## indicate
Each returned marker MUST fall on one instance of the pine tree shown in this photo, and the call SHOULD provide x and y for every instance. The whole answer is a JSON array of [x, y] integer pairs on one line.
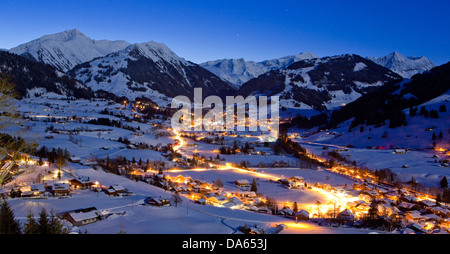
[[8, 224], [253, 186], [55, 225], [31, 227], [444, 182], [43, 223], [40, 162], [295, 208]]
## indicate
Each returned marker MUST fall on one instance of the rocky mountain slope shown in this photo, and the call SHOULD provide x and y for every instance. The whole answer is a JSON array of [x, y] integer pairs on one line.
[[148, 69], [325, 83]]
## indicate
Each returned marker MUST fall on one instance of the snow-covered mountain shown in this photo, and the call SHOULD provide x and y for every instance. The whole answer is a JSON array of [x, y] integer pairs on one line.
[[66, 49], [33, 79], [321, 83], [239, 71], [404, 66], [148, 69]]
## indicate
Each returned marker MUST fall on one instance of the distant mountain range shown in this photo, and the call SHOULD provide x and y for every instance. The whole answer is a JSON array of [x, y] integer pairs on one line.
[[118, 68], [321, 83], [239, 71]]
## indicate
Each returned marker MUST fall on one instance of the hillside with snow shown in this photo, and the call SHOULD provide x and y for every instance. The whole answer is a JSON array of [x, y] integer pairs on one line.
[[321, 83], [148, 69]]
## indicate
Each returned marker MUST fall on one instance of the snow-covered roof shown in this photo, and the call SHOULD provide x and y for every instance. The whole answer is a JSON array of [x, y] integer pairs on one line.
[[236, 201], [242, 181], [77, 216], [302, 212], [117, 187], [60, 186]]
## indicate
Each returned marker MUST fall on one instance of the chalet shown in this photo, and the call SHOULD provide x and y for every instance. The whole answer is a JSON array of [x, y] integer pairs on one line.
[[287, 212], [302, 215], [242, 183], [60, 189], [75, 159], [345, 216], [200, 201], [115, 190], [157, 201], [82, 217], [246, 194], [211, 198], [399, 151], [441, 211], [35, 190], [426, 203], [234, 203], [295, 185], [263, 210], [413, 216], [91, 163], [405, 206], [81, 182], [416, 227]]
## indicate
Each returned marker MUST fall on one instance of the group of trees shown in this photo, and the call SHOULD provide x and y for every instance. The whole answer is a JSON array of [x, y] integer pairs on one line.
[[286, 145], [11, 148], [44, 224], [112, 123]]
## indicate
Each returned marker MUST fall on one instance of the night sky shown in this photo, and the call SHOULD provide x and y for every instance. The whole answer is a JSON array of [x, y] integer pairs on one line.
[[254, 30]]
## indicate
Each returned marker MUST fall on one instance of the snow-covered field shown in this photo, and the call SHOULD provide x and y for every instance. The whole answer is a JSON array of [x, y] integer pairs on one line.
[[131, 217], [420, 162]]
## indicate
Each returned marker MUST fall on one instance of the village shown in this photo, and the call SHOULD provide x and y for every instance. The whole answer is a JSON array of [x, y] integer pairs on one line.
[[242, 172]]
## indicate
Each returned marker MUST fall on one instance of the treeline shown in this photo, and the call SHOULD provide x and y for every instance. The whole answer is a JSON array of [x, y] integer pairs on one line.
[[388, 102], [112, 123], [28, 74], [16, 144], [57, 156], [286, 145], [44, 224]]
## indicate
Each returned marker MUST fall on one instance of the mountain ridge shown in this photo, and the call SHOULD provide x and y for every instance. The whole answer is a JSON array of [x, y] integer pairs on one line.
[[66, 49]]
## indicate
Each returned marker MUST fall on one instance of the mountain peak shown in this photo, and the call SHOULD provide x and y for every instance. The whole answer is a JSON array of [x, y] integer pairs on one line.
[[66, 49], [402, 65], [155, 51]]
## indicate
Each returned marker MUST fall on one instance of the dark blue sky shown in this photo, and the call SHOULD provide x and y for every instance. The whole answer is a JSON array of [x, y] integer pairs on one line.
[[254, 30]]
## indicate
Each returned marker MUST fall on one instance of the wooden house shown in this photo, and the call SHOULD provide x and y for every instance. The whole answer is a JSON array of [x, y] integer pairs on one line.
[[60, 189], [115, 190], [81, 182], [242, 183], [82, 217], [157, 201], [301, 215], [34, 190]]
